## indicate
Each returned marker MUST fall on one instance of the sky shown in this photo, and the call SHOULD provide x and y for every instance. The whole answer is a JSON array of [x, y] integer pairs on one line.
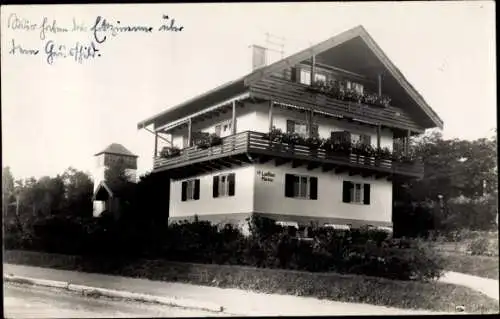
[[59, 115]]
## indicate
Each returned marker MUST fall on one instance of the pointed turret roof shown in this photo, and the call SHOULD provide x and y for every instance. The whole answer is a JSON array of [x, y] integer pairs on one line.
[[116, 149]]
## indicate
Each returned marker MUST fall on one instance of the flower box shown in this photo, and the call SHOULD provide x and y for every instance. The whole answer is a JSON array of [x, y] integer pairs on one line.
[[170, 151], [338, 90]]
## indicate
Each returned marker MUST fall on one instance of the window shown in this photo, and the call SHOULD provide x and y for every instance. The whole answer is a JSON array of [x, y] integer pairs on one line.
[[355, 86], [224, 185], [319, 77], [357, 193], [300, 128], [223, 129], [190, 190], [303, 187], [305, 77], [358, 88]]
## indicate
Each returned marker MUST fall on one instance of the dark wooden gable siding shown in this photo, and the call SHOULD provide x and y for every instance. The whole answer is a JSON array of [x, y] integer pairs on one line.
[[285, 91]]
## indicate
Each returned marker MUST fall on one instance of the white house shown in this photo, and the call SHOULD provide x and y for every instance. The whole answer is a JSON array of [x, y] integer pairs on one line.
[[343, 90]]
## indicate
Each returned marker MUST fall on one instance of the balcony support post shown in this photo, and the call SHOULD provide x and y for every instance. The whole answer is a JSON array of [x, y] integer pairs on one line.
[[313, 68], [309, 122], [379, 84], [271, 106], [379, 129], [233, 119], [407, 142], [190, 131], [156, 145]]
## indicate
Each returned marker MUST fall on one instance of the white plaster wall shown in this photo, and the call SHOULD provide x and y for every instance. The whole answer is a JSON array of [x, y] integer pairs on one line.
[[241, 202], [245, 121], [255, 117], [270, 196]]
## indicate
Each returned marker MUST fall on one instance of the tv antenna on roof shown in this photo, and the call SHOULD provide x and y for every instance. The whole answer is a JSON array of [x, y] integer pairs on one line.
[[276, 41]]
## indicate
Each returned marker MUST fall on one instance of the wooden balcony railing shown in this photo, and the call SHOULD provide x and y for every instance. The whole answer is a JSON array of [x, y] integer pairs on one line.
[[284, 91], [232, 144], [257, 143]]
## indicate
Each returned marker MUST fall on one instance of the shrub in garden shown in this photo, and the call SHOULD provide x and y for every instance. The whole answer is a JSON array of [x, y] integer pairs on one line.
[[478, 246]]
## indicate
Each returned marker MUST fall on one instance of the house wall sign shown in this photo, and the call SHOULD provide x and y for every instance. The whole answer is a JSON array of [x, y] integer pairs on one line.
[[266, 176]]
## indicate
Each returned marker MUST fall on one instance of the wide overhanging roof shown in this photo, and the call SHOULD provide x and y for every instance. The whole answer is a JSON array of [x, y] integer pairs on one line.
[[354, 50], [197, 103]]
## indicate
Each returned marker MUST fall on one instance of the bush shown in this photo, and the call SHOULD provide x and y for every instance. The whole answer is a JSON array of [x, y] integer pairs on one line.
[[359, 251], [478, 246]]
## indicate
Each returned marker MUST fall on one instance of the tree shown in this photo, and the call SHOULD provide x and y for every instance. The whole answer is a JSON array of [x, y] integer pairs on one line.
[[7, 189], [79, 191], [453, 168], [116, 173]]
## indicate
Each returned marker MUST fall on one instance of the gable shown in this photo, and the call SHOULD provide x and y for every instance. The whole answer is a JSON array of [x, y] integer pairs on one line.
[[355, 51]]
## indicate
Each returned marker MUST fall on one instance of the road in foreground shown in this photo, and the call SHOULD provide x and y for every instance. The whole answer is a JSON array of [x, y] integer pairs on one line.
[[23, 301]]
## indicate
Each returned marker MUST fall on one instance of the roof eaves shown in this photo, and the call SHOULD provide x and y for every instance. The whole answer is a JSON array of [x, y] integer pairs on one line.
[[151, 119]]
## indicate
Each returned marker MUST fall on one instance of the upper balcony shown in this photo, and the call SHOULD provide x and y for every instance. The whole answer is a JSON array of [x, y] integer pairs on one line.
[[255, 147]]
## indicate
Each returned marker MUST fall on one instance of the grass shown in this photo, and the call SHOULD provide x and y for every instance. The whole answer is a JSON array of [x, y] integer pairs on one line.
[[482, 266], [348, 288]]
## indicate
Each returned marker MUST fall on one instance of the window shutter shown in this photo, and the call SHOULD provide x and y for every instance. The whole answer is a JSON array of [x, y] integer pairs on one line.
[[290, 126], [346, 191], [231, 180], [196, 189], [184, 191], [346, 137], [366, 197], [294, 74], [313, 191], [216, 186], [314, 130], [288, 185], [337, 136]]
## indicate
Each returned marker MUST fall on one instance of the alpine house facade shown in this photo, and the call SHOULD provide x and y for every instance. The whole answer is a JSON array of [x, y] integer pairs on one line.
[[316, 137]]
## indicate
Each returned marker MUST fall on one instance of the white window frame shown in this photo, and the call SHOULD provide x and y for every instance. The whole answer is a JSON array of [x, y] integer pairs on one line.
[[300, 124], [320, 77], [190, 185], [357, 195], [358, 87], [297, 189], [223, 185], [305, 76], [225, 128]]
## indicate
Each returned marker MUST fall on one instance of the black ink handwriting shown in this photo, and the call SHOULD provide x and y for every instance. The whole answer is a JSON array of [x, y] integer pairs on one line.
[[171, 27], [79, 52], [16, 48]]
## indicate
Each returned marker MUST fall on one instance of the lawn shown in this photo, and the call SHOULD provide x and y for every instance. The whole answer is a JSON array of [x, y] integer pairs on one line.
[[332, 286], [483, 266]]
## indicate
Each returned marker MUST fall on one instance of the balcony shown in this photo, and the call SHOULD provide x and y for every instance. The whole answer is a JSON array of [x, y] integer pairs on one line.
[[250, 147]]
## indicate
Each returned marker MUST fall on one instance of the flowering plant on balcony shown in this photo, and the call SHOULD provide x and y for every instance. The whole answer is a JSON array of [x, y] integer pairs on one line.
[[402, 157], [383, 100], [314, 142], [276, 135], [337, 148], [170, 151], [363, 149], [293, 139], [339, 90], [370, 98], [205, 140], [383, 153]]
